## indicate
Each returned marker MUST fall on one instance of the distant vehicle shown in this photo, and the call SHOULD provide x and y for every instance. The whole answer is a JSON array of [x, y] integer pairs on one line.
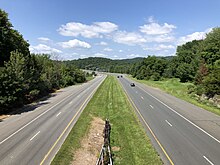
[[132, 85], [121, 76], [118, 76]]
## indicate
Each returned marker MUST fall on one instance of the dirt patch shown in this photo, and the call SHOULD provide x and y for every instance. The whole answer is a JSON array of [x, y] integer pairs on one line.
[[115, 148], [3, 117], [91, 144]]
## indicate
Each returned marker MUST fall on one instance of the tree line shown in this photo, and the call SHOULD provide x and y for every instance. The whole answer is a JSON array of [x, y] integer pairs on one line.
[[197, 61], [24, 77], [105, 64]]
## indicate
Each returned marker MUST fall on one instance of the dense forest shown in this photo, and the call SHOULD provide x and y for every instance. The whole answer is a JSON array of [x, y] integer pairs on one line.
[[24, 77], [105, 64], [195, 61]]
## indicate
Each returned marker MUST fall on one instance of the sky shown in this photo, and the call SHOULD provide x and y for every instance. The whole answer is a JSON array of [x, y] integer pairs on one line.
[[116, 29]]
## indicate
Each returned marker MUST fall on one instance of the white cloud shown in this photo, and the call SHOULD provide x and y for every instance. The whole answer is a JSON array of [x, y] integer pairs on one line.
[[43, 49], [133, 55], [120, 51], [160, 38], [96, 30], [153, 28], [100, 55], [193, 36], [102, 43], [74, 43], [128, 38], [108, 49], [160, 47], [43, 39]]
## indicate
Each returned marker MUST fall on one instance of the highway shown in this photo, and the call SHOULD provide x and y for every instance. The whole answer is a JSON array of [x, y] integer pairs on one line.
[[35, 136], [182, 133]]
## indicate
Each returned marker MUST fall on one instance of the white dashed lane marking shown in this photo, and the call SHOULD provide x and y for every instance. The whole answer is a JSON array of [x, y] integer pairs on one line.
[[151, 106], [58, 114], [208, 160], [168, 123], [34, 136]]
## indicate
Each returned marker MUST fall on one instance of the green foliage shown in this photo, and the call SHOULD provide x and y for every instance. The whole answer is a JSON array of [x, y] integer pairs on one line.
[[104, 64], [150, 68], [10, 40], [195, 61], [23, 80], [187, 61], [12, 80]]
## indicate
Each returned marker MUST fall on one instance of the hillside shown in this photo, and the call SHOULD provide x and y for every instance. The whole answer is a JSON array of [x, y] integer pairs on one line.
[[105, 64]]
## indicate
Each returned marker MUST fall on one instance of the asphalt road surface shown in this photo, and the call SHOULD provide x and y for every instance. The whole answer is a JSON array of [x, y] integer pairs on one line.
[[182, 133], [35, 136]]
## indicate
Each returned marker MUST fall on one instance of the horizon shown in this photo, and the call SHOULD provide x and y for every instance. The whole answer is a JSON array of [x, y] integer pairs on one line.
[[116, 30]]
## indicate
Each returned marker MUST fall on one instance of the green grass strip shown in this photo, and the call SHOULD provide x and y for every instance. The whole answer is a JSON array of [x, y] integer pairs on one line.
[[180, 90], [127, 133]]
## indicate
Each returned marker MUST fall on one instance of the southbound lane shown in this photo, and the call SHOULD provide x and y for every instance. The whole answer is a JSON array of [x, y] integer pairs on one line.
[[35, 137], [177, 139]]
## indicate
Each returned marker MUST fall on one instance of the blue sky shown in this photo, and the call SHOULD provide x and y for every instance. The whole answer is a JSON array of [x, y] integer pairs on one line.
[[116, 29]]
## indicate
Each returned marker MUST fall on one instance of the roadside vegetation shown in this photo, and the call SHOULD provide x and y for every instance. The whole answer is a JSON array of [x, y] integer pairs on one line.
[[127, 134], [195, 71], [25, 77], [181, 90]]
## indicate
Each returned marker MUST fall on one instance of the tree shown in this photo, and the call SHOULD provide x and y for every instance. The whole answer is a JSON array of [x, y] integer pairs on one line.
[[12, 81], [187, 60], [10, 40]]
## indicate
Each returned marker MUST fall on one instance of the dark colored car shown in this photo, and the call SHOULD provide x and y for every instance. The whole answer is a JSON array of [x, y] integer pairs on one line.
[[132, 85], [121, 76], [118, 76]]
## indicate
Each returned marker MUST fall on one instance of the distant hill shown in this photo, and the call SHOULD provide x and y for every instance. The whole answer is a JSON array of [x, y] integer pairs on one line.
[[105, 64]]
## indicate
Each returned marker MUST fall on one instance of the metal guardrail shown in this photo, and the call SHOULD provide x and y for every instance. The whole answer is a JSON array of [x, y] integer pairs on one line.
[[105, 157]]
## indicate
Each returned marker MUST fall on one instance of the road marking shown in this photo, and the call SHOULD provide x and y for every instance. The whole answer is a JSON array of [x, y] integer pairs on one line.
[[136, 91], [71, 102], [183, 117], [35, 119], [80, 109], [208, 160], [58, 114], [142, 98], [151, 106], [168, 123], [34, 136], [152, 133]]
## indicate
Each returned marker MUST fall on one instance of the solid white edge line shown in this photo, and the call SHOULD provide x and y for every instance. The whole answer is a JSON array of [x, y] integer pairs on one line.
[[183, 117], [142, 98], [34, 136], [58, 114], [70, 102], [208, 160], [34, 119], [168, 123]]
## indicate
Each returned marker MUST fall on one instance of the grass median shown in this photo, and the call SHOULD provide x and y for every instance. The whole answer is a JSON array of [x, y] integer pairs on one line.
[[127, 134]]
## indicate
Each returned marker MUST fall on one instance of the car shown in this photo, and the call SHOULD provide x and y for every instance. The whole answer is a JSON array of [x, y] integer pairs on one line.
[[118, 76], [132, 85], [121, 76]]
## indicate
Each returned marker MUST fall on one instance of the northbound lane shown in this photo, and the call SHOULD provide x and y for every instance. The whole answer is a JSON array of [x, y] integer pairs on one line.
[[177, 139]]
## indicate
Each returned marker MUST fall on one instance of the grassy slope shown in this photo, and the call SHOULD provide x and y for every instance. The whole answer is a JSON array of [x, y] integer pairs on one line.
[[175, 88], [127, 133]]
